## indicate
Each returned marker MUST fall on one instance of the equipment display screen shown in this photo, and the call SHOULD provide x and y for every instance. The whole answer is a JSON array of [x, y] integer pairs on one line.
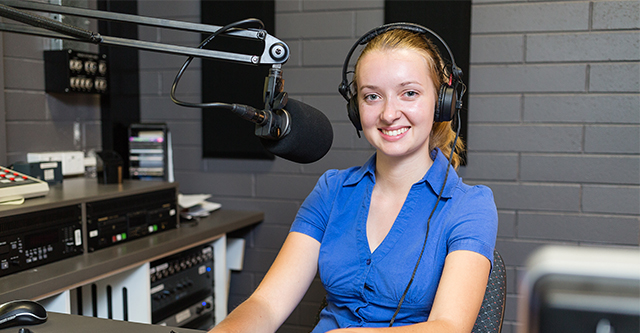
[[40, 239]]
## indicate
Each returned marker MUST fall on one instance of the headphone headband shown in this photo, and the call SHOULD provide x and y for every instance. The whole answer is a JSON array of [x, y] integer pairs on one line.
[[448, 99], [366, 38]]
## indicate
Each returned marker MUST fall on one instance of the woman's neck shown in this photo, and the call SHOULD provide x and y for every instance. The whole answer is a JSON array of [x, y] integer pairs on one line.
[[401, 173]]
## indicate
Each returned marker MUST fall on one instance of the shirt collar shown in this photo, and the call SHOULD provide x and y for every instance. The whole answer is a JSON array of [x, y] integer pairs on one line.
[[434, 177]]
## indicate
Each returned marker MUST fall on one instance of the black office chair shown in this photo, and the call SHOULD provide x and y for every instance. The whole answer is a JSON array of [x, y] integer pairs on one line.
[[491, 313]]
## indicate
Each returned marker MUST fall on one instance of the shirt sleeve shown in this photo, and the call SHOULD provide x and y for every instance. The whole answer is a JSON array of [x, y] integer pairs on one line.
[[313, 215], [476, 224]]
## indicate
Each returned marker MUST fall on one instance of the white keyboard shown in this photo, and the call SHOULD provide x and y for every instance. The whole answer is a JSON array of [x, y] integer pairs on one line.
[[15, 186]]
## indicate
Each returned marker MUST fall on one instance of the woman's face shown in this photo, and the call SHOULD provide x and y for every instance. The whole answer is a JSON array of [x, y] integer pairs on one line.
[[396, 100]]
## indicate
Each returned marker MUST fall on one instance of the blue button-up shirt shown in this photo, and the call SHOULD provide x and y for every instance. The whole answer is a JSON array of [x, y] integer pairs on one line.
[[364, 288]]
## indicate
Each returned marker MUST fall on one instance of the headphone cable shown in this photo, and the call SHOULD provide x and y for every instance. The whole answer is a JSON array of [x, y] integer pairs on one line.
[[426, 236]]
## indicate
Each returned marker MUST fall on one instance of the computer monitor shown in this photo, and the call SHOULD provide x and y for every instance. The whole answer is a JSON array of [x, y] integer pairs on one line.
[[581, 289]]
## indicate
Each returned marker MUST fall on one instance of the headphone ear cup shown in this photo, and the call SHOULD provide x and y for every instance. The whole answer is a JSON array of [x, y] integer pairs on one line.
[[446, 107], [354, 113]]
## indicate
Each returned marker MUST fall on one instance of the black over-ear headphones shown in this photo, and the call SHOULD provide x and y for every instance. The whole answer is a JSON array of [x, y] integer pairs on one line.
[[449, 99]]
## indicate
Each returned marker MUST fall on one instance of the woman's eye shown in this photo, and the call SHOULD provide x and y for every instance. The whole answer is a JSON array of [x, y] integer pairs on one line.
[[411, 93], [371, 97]]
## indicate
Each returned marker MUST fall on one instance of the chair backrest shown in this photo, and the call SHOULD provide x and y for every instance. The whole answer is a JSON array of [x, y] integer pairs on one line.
[[492, 311]]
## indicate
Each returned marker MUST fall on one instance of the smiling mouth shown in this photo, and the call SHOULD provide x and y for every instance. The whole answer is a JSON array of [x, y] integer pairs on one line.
[[394, 132]]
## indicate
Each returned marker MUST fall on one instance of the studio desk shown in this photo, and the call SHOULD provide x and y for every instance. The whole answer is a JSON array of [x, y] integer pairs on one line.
[[123, 264]]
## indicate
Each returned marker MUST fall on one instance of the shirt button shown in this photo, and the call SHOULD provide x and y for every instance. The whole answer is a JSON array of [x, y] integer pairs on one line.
[[368, 261]]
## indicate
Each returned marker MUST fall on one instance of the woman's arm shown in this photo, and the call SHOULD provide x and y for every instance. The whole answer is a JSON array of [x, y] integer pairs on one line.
[[280, 291], [458, 298]]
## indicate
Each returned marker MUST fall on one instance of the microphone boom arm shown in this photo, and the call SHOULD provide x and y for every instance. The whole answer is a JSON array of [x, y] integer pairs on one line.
[[275, 51], [273, 123]]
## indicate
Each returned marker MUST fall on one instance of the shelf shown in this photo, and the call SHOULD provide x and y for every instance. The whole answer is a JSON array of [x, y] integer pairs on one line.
[[53, 278], [80, 190]]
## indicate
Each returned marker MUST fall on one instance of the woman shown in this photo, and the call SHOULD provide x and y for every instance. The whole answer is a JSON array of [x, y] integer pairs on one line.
[[365, 227]]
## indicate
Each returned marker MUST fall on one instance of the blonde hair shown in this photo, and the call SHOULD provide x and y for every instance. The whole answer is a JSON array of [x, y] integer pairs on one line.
[[442, 135]]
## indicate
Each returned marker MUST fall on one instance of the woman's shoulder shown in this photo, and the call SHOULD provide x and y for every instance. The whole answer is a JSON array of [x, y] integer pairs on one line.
[[477, 193], [475, 196], [343, 176], [474, 189], [335, 177]]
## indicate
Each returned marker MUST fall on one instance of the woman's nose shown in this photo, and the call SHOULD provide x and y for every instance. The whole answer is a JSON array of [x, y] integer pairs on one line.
[[391, 112]]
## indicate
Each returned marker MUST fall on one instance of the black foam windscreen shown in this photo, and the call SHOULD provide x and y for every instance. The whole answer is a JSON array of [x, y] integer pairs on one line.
[[309, 138]]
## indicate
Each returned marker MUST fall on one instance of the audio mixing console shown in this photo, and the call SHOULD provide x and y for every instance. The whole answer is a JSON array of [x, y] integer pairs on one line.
[[15, 186]]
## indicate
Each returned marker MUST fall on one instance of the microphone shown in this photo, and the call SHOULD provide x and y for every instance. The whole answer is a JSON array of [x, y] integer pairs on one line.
[[310, 136], [298, 132]]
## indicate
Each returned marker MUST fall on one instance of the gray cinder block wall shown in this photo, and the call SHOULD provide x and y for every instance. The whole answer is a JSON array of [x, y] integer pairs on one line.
[[554, 127], [32, 120], [554, 124], [554, 105]]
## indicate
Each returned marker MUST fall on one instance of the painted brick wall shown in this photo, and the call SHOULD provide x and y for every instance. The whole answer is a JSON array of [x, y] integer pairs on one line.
[[554, 126], [33, 120], [554, 101]]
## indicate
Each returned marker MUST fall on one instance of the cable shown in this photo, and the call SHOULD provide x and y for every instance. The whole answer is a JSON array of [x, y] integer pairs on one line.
[[188, 62], [426, 236]]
